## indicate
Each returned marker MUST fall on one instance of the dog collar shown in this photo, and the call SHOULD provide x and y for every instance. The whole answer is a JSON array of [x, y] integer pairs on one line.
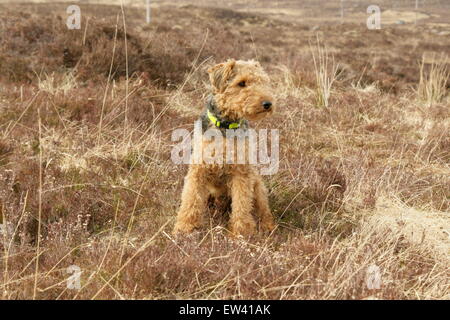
[[223, 124]]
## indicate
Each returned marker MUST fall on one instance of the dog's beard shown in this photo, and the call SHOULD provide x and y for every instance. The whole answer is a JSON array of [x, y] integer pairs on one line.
[[259, 115]]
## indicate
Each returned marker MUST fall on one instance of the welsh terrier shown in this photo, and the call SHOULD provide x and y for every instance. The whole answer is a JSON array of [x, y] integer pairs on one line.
[[241, 92]]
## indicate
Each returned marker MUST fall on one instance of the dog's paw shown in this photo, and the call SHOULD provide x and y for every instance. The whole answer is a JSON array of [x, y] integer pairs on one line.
[[267, 226], [183, 228], [243, 229]]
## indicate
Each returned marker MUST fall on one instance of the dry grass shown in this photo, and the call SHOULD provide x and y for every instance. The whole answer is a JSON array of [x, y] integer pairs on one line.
[[86, 177], [326, 73], [433, 83]]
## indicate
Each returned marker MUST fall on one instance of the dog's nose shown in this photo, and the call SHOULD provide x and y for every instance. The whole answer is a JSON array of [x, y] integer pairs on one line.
[[267, 104]]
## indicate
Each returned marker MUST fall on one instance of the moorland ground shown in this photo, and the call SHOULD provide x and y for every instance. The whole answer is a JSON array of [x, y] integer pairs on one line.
[[86, 178]]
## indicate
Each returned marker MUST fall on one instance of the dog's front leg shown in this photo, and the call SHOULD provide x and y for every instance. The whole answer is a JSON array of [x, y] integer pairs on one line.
[[193, 201], [262, 206], [241, 220]]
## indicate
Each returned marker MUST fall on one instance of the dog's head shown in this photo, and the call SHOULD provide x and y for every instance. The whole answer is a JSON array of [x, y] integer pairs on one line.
[[242, 89]]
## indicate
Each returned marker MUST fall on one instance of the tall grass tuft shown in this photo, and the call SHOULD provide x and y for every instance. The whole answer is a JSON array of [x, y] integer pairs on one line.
[[433, 79], [326, 72]]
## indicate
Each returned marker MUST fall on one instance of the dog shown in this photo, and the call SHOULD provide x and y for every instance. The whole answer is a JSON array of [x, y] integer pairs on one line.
[[241, 91]]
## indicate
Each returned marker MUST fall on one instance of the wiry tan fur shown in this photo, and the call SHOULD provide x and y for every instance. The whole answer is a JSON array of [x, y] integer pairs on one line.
[[241, 182]]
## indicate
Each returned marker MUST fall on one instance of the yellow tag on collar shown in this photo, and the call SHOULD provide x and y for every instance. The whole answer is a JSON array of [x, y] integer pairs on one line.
[[217, 123]]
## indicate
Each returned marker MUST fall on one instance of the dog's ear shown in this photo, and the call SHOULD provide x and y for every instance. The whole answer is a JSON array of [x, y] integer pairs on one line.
[[220, 74]]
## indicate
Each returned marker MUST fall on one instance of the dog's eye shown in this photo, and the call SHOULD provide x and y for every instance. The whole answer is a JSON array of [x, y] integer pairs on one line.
[[241, 84]]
